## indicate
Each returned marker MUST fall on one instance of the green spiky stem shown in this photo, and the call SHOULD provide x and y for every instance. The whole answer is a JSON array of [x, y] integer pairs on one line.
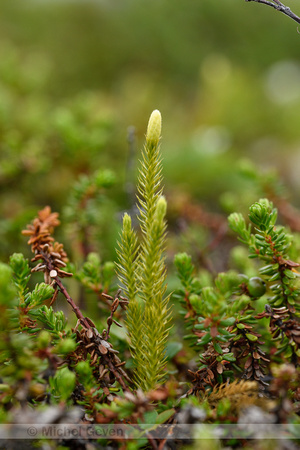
[[141, 269]]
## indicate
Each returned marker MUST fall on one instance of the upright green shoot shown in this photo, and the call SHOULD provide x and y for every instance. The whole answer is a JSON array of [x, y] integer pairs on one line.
[[141, 267]]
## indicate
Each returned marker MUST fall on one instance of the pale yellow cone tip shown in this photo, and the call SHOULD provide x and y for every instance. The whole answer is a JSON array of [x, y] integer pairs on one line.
[[154, 128]]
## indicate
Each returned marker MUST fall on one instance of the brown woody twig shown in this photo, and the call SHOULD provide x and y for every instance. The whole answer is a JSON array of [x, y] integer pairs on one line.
[[276, 4], [90, 341]]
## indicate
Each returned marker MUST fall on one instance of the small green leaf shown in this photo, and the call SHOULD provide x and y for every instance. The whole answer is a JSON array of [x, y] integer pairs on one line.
[[229, 357], [275, 277], [199, 326], [150, 417], [227, 322], [218, 348], [164, 416], [251, 337], [205, 339], [289, 274]]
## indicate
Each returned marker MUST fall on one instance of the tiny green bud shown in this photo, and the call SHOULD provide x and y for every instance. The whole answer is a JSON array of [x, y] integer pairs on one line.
[[84, 370], [94, 258], [209, 295], [154, 128], [182, 259], [258, 210], [236, 222], [66, 346], [44, 339], [266, 204], [17, 260], [261, 214], [256, 287], [108, 270], [104, 178], [195, 301], [65, 382]]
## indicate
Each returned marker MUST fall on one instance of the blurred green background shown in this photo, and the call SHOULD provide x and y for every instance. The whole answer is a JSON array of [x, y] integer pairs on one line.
[[76, 75]]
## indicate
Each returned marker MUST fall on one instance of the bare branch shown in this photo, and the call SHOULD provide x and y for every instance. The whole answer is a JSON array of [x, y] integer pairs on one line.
[[276, 4]]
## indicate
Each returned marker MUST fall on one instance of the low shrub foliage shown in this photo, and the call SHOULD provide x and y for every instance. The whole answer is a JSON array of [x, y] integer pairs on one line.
[[217, 346]]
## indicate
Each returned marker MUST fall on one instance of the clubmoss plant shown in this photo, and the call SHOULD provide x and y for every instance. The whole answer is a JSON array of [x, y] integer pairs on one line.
[[141, 267], [71, 365]]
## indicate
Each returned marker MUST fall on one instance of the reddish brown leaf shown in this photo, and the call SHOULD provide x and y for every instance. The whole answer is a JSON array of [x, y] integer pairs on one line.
[[214, 331], [259, 373], [210, 373], [248, 362], [255, 355], [220, 368], [103, 350]]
